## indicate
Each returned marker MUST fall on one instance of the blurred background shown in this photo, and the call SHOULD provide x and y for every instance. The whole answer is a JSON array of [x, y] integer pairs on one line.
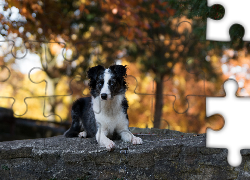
[[47, 46]]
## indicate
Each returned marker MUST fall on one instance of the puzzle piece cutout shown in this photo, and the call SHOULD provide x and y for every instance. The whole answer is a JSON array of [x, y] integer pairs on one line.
[[13, 85], [235, 111], [235, 11]]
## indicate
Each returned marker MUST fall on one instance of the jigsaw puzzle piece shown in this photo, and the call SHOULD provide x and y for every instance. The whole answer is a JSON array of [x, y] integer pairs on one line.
[[52, 69], [139, 83], [184, 81], [55, 73], [15, 80], [234, 13], [235, 111], [57, 107], [192, 120]]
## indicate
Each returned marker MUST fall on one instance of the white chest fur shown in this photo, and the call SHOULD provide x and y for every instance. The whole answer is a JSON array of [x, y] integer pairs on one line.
[[109, 114]]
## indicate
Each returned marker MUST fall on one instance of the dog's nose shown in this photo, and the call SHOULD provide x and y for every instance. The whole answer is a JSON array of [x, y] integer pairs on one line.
[[104, 96]]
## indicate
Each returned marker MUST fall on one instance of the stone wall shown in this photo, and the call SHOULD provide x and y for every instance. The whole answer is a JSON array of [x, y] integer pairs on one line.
[[164, 154]]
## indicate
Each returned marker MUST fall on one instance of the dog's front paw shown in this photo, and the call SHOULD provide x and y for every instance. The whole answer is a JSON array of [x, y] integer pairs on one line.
[[136, 140], [82, 134], [110, 145]]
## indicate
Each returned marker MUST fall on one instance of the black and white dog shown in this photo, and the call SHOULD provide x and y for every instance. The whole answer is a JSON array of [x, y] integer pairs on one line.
[[104, 114]]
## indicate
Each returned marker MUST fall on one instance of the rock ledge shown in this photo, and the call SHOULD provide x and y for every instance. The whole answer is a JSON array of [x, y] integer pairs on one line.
[[164, 154]]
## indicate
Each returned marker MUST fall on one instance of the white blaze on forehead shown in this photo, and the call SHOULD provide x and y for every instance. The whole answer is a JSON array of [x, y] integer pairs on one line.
[[107, 76]]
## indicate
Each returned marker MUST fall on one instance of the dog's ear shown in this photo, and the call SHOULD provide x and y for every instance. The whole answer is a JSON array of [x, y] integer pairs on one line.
[[93, 72], [119, 70]]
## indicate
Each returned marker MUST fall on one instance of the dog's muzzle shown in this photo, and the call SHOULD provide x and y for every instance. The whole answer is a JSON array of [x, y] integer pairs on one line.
[[104, 96]]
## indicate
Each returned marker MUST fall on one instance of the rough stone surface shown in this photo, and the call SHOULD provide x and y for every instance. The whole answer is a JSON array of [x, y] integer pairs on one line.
[[164, 154]]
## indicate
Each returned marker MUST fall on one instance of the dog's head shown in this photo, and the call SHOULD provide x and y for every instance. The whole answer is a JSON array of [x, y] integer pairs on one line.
[[107, 83]]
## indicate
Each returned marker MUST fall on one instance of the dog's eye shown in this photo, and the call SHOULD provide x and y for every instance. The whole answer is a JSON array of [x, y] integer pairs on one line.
[[100, 84], [112, 83]]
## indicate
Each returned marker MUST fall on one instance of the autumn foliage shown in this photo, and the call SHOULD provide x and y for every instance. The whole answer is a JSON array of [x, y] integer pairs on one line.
[[163, 54]]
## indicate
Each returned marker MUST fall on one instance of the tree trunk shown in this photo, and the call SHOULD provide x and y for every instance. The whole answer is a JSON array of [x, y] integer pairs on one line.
[[158, 102], [51, 101]]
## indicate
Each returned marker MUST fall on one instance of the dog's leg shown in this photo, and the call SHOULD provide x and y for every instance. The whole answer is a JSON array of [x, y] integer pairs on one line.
[[101, 137], [127, 136], [74, 130], [136, 140]]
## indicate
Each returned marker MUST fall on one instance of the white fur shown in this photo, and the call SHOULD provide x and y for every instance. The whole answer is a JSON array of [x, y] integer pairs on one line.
[[82, 134], [105, 88]]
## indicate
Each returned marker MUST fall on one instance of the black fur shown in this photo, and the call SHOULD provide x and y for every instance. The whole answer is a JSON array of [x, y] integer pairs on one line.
[[125, 107], [117, 82], [82, 116], [95, 75]]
